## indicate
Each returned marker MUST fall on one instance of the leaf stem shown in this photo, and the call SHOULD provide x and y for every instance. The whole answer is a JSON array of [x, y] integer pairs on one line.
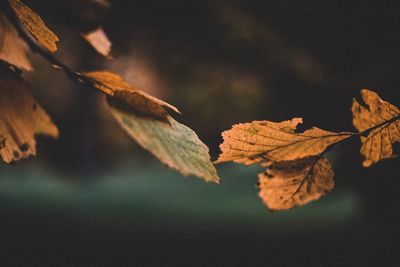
[[363, 133], [367, 131]]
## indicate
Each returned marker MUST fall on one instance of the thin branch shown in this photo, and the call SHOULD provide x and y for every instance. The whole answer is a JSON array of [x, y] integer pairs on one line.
[[12, 17]]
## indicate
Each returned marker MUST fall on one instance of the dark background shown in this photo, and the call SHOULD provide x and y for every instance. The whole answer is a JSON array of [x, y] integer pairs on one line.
[[94, 198]]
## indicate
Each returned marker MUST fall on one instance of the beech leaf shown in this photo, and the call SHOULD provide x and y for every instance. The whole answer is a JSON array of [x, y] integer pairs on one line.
[[21, 118], [285, 185], [34, 24], [99, 40], [114, 85], [382, 116], [265, 141], [174, 144], [13, 49]]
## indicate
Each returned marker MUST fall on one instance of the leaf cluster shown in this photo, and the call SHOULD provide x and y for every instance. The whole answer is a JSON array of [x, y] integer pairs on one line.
[[295, 168], [145, 118]]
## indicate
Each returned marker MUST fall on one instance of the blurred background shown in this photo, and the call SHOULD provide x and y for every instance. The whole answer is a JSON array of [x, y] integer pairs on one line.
[[94, 198]]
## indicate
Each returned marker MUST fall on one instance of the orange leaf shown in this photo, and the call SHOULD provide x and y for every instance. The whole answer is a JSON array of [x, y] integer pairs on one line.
[[21, 118], [114, 85], [267, 141], [285, 185], [377, 145], [34, 24]]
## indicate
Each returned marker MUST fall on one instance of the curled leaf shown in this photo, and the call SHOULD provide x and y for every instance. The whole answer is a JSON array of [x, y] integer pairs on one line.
[[174, 144], [34, 24], [285, 185], [384, 120], [99, 40], [146, 120], [114, 85], [13, 49], [267, 141], [21, 118]]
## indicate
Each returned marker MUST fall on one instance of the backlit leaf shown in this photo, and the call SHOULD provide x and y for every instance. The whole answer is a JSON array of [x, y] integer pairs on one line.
[[13, 49], [21, 118], [114, 85], [99, 40], [33, 23], [172, 143], [267, 141], [377, 145], [285, 185]]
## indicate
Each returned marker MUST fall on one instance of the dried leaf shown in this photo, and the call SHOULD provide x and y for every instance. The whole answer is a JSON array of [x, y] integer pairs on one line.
[[113, 85], [99, 40], [267, 141], [21, 117], [13, 49], [33, 23], [172, 143], [285, 185], [378, 144]]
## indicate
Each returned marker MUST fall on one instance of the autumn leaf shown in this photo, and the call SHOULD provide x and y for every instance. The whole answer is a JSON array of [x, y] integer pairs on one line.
[[296, 171], [33, 23], [265, 141], [285, 185], [381, 121], [172, 143], [146, 119], [13, 49], [114, 85], [21, 118], [99, 40]]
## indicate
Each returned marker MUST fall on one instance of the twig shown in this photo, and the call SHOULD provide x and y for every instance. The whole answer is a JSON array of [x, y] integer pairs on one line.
[[12, 17]]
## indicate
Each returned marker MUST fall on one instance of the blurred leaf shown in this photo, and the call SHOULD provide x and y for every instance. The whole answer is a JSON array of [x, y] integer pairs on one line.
[[13, 49], [285, 185], [258, 141], [113, 85], [33, 23], [21, 117], [172, 143], [99, 40], [378, 144]]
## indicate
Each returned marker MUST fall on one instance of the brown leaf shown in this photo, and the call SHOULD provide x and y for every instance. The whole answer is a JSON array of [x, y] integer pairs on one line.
[[113, 85], [13, 49], [265, 141], [99, 40], [285, 185], [33, 23], [378, 144], [21, 117], [174, 144]]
